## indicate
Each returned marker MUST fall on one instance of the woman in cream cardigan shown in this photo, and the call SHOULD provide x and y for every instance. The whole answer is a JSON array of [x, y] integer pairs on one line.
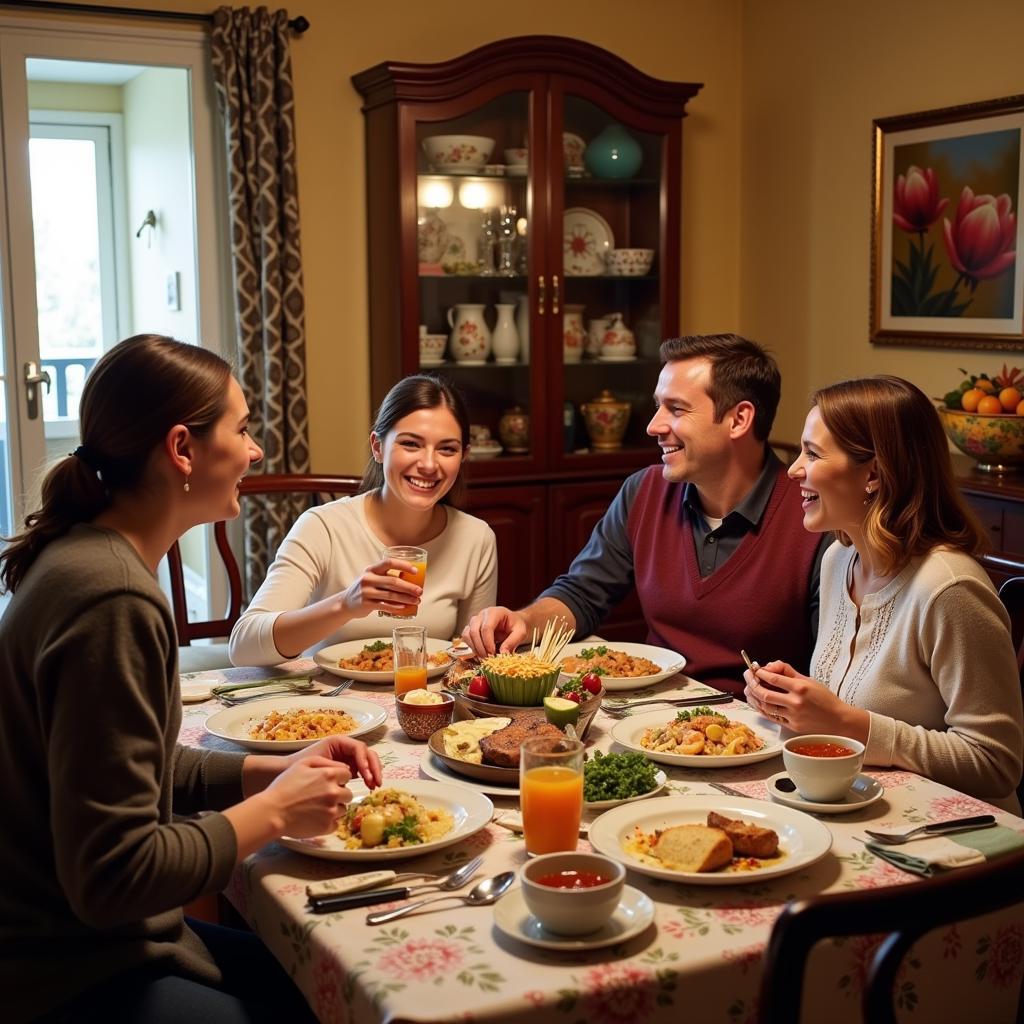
[[913, 655]]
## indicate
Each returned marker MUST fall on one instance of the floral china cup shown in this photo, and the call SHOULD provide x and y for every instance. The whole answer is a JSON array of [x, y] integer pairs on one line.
[[432, 347], [595, 334]]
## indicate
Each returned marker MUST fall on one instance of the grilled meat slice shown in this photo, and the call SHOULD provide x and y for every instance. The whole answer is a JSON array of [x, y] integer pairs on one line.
[[747, 840], [501, 748]]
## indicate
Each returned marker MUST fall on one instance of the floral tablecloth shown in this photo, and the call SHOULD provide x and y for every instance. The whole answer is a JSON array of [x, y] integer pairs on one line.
[[700, 961]]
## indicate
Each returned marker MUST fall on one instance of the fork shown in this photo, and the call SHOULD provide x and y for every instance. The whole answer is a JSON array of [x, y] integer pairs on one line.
[[340, 688], [938, 828], [622, 710]]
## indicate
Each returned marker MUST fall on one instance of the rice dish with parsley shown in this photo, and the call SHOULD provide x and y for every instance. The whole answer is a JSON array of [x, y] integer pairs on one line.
[[388, 819]]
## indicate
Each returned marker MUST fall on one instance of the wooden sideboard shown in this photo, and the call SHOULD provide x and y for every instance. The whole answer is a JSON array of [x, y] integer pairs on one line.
[[998, 501]]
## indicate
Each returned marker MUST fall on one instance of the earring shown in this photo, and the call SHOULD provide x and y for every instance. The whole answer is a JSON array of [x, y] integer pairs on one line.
[[869, 495], [187, 488]]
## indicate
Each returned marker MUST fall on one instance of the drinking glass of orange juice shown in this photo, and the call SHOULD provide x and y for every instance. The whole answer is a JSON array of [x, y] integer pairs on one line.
[[410, 647], [417, 557], [551, 794]]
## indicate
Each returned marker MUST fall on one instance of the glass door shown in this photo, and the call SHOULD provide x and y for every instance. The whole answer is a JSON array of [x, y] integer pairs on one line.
[[620, 274], [475, 251]]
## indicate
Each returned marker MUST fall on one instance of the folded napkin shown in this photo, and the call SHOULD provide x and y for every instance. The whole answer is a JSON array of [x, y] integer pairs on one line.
[[929, 856]]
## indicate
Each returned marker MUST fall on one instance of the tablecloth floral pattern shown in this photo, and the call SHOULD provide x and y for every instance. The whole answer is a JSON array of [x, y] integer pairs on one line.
[[700, 960]]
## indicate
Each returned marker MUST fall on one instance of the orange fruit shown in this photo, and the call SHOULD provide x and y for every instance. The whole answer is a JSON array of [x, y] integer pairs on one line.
[[1020, 408], [1011, 398], [984, 384], [970, 399], [990, 405]]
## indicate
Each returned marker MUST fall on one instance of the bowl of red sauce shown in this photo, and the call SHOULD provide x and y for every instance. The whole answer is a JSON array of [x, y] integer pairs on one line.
[[572, 893], [823, 768]]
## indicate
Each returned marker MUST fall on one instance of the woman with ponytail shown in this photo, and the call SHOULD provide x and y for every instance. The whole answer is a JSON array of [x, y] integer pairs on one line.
[[913, 656], [104, 841]]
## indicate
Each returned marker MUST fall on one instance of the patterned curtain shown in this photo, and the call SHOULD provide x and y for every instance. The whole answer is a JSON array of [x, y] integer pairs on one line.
[[253, 75]]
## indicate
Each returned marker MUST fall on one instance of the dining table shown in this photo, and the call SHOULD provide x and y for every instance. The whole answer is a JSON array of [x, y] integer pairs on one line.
[[700, 959]]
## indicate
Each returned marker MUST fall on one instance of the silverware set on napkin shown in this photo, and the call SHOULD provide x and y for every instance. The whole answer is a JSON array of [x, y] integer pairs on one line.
[[626, 707], [275, 687]]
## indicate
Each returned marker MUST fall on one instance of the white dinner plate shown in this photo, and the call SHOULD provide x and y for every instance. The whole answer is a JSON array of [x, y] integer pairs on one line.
[[234, 723], [471, 812], [586, 240], [669, 662], [328, 657], [627, 734], [660, 779], [432, 766], [633, 914], [802, 839], [864, 792]]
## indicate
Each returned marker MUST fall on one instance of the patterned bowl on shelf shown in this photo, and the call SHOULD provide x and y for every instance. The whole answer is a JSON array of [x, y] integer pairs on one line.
[[458, 154], [995, 441], [630, 262]]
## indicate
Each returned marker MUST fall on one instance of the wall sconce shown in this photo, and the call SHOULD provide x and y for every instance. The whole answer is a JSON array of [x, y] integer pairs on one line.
[[149, 221]]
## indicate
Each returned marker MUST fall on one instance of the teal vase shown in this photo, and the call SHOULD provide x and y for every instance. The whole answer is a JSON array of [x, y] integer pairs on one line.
[[613, 154]]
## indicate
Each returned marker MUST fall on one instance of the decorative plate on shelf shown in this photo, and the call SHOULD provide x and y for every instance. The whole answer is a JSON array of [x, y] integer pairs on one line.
[[586, 238]]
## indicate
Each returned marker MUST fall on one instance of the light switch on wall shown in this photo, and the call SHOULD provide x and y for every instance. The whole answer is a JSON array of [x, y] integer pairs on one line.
[[174, 290]]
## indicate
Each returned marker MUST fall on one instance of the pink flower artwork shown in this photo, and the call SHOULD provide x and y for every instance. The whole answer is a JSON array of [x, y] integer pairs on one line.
[[618, 994], [916, 203], [421, 960], [980, 240]]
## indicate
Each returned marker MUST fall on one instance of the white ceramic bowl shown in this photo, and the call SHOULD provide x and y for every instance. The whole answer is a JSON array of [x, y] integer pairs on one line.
[[460, 154], [518, 156], [572, 911], [820, 778], [622, 350], [630, 262]]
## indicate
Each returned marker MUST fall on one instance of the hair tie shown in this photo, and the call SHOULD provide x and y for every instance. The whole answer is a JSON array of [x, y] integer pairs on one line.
[[87, 456]]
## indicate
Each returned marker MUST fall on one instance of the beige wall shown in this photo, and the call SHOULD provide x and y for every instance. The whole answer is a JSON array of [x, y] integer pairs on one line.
[[815, 76], [101, 99]]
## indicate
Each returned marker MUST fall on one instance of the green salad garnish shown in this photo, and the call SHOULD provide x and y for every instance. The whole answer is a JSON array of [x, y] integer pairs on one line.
[[377, 645], [617, 776], [689, 715], [593, 652], [404, 830]]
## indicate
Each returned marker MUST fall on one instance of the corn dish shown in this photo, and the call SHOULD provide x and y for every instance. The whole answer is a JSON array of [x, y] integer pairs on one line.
[[389, 818]]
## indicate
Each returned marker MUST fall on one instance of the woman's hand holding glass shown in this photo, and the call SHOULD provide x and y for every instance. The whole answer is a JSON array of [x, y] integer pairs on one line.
[[802, 704], [379, 588]]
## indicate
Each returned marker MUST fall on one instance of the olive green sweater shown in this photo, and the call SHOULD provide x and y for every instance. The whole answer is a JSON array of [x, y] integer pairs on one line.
[[93, 871]]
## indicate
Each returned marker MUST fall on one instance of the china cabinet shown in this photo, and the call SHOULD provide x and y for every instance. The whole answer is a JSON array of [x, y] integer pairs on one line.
[[524, 200]]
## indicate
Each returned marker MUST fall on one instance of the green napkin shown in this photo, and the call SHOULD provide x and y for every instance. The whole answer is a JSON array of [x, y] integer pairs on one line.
[[930, 856]]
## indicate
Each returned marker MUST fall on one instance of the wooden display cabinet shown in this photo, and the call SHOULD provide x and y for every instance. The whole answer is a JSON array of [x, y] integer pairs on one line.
[[585, 157]]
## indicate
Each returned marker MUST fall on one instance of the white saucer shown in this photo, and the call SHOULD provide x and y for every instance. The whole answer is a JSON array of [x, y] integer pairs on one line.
[[864, 791], [431, 362], [194, 691], [633, 914], [616, 359]]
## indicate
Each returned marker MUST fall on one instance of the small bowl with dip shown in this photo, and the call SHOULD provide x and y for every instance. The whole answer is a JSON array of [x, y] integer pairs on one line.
[[422, 712], [823, 767], [572, 893]]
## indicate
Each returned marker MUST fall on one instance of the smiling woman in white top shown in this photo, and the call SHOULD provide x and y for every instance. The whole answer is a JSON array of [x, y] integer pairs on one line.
[[913, 656], [329, 579]]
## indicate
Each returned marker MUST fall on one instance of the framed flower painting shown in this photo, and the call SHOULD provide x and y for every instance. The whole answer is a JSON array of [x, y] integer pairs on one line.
[[946, 235]]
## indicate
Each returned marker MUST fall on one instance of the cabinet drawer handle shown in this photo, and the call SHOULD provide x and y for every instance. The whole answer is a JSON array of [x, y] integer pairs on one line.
[[541, 293], [554, 294]]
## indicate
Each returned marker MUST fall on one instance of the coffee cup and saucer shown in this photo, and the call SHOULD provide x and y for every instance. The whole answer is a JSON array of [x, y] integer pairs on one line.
[[823, 776]]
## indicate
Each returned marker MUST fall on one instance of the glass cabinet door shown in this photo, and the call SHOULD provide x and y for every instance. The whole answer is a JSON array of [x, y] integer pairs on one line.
[[474, 260], [618, 295]]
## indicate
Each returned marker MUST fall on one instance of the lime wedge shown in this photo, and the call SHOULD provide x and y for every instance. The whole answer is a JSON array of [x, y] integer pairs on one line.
[[561, 712]]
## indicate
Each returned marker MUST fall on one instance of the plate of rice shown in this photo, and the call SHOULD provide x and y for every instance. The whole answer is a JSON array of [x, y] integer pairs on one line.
[[279, 725], [415, 817]]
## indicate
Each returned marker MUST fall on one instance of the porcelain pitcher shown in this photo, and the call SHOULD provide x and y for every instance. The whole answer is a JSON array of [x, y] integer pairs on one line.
[[470, 340]]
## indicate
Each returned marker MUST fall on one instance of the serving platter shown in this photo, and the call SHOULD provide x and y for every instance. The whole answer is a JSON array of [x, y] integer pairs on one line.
[[234, 723], [484, 772], [434, 768], [802, 839], [328, 657], [470, 811], [586, 239], [627, 734], [668, 661]]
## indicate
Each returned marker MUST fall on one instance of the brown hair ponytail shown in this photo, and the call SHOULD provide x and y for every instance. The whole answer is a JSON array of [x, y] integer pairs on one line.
[[135, 393]]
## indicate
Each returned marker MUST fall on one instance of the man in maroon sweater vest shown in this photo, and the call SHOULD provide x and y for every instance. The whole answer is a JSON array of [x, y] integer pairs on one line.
[[713, 539]]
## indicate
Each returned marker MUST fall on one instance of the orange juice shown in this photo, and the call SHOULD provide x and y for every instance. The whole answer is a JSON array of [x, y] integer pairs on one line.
[[407, 611], [552, 801], [410, 677]]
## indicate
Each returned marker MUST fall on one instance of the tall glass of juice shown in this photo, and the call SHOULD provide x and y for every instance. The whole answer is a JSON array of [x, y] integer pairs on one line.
[[417, 559], [551, 793], [410, 647]]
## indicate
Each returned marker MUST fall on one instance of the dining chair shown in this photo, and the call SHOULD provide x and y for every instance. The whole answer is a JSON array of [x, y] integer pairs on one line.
[[319, 488], [905, 912]]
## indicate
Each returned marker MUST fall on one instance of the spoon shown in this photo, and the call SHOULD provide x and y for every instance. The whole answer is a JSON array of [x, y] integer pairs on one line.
[[481, 895], [330, 902]]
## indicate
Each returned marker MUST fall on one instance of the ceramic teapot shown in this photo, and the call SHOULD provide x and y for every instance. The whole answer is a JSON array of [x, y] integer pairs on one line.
[[606, 420], [617, 342]]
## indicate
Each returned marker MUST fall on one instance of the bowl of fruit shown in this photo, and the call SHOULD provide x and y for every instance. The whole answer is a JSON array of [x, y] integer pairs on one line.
[[984, 418], [573, 701]]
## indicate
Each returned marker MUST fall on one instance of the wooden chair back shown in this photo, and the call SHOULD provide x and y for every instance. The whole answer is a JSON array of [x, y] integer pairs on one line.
[[319, 487], [906, 912]]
